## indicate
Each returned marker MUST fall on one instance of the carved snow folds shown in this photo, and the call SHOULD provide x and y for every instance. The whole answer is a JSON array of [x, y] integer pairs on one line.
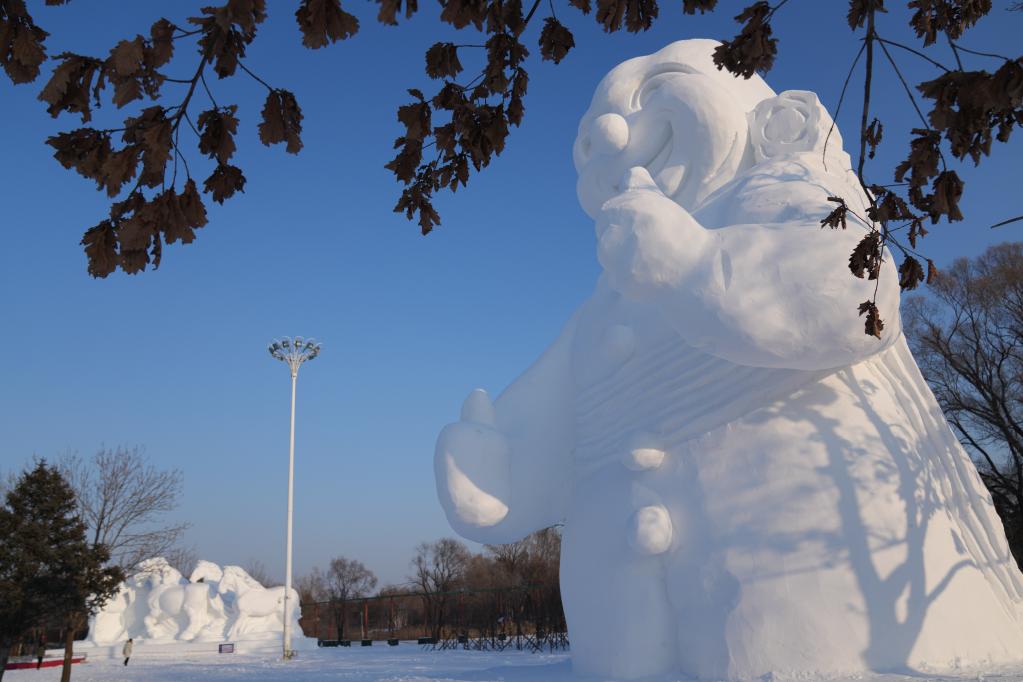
[[614, 347], [619, 345], [650, 530]]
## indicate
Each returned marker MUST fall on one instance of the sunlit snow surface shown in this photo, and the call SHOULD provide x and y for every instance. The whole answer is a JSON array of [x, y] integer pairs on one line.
[[405, 663], [748, 483]]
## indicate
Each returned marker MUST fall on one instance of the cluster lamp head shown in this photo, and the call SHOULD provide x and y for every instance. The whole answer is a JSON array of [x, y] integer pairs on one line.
[[293, 352]]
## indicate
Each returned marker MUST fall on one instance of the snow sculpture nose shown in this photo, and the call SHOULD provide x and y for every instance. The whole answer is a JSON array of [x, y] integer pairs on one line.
[[609, 134]]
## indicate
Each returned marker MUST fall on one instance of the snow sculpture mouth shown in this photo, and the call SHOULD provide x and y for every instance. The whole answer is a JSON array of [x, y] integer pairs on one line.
[[668, 178]]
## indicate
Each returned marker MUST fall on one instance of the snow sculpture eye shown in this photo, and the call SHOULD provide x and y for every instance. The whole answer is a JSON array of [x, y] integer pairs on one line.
[[609, 134]]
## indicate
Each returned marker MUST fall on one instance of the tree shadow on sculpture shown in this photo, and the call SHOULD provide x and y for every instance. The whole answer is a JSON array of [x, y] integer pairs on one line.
[[896, 601]]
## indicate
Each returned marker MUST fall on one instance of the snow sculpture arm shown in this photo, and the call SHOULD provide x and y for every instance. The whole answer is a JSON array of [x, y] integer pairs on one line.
[[504, 469], [772, 294]]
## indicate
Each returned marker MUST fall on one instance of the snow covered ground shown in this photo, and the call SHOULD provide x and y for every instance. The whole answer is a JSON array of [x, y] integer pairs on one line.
[[405, 663]]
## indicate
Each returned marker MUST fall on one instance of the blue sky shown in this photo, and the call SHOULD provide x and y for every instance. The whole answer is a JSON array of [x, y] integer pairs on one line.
[[176, 359]]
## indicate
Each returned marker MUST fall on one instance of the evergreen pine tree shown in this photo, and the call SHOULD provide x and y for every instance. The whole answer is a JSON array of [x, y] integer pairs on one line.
[[48, 569], [16, 570]]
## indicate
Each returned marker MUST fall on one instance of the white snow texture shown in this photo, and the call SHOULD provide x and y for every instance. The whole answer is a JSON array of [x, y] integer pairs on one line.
[[750, 485], [158, 605]]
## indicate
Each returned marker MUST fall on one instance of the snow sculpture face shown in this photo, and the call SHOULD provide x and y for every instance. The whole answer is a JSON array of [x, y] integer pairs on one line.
[[157, 572], [206, 572], [672, 113]]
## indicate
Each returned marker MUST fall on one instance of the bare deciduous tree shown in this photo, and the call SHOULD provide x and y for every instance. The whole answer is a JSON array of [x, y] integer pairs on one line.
[[183, 559], [533, 565], [399, 612], [348, 579], [509, 589], [437, 570], [123, 498], [533, 560], [312, 587], [967, 335]]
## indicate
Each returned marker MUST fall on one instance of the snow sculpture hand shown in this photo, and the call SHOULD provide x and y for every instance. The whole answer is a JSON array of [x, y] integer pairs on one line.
[[646, 241], [769, 294], [472, 465]]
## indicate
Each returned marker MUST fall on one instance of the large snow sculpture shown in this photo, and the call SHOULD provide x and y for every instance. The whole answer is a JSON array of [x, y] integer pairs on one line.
[[157, 604], [749, 483]]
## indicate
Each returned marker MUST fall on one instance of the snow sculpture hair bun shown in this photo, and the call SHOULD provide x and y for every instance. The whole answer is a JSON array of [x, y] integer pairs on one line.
[[791, 123]]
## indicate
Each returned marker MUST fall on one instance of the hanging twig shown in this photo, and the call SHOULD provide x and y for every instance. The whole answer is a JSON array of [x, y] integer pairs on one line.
[[918, 53], [839, 107]]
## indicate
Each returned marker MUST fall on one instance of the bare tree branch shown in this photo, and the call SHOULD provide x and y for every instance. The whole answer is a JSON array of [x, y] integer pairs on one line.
[[123, 498], [967, 335]]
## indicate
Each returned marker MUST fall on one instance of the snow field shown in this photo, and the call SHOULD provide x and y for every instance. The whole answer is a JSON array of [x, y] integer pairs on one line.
[[405, 663]]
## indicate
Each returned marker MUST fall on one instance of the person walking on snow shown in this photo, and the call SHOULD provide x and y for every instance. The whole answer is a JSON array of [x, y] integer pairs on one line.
[[40, 652], [126, 651]]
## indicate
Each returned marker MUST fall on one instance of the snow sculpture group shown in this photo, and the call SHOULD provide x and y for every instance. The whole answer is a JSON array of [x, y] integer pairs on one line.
[[749, 484], [157, 604]]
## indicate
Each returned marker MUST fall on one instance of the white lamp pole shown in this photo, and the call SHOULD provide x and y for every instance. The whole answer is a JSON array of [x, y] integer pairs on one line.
[[293, 352]]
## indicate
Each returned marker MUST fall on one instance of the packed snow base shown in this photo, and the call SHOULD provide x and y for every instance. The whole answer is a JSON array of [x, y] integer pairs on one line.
[[750, 485], [405, 663], [162, 610]]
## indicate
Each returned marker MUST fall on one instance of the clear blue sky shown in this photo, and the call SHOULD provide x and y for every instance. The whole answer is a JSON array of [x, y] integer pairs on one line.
[[176, 359]]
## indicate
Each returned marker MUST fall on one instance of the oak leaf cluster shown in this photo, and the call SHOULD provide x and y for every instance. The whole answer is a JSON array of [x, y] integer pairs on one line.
[[458, 129]]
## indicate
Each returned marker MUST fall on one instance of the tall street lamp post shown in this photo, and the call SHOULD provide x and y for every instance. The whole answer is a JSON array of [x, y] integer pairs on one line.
[[292, 352]]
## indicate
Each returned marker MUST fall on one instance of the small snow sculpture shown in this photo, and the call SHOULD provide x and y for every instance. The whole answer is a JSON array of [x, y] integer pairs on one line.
[[749, 484], [157, 604]]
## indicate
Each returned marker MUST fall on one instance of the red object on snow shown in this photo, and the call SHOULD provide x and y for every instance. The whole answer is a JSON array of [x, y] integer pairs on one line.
[[27, 663]]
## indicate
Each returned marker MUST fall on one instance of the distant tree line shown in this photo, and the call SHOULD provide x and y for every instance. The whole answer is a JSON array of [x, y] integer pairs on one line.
[[450, 591]]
